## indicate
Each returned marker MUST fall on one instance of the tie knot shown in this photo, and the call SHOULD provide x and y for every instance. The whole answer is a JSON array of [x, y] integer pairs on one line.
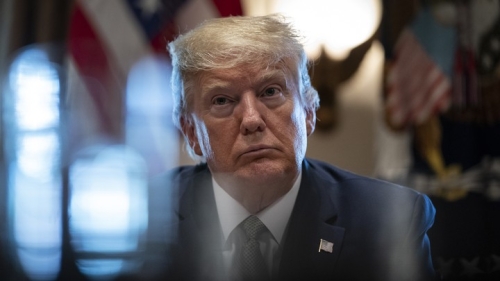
[[253, 227]]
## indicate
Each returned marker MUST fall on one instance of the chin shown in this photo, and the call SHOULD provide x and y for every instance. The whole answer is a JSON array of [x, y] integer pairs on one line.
[[264, 171]]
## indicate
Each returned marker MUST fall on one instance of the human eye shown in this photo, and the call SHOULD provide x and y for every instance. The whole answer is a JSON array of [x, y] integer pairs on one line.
[[220, 100], [222, 105], [271, 91], [272, 96]]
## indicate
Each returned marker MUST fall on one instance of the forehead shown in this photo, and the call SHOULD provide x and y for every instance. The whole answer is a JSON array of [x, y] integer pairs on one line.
[[233, 78], [246, 74]]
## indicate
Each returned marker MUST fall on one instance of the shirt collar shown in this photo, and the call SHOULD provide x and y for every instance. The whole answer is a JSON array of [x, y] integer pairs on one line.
[[275, 217]]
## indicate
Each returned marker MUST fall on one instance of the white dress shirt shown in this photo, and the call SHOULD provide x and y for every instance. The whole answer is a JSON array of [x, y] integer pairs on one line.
[[275, 217]]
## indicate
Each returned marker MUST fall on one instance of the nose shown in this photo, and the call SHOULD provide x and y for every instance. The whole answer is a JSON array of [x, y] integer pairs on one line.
[[252, 119]]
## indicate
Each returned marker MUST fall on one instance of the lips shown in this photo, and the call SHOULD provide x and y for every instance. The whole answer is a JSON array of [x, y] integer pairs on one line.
[[257, 149]]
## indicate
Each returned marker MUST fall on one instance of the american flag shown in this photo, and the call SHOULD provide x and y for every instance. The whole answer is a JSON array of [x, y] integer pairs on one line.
[[325, 246], [418, 80], [106, 38]]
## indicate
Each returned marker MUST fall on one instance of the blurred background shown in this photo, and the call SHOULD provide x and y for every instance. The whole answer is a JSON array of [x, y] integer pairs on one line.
[[410, 93]]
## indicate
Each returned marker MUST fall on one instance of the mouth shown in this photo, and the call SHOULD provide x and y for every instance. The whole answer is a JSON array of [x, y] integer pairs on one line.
[[257, 150]]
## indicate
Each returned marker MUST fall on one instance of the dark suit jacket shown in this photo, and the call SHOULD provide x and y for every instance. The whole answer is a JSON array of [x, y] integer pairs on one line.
[[378, 229]]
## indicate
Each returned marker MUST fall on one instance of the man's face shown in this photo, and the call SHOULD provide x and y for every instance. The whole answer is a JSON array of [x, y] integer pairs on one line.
[[249, 123]]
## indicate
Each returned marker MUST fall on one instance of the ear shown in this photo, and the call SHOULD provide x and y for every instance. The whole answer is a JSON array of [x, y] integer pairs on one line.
[[189, 131], [310, 121]]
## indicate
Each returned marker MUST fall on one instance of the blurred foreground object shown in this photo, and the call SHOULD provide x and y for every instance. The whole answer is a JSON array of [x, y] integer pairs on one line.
[[108, 211], [32, 146]]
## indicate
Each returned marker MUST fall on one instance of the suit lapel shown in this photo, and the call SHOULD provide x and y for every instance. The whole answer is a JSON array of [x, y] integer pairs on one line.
[[312, 219]]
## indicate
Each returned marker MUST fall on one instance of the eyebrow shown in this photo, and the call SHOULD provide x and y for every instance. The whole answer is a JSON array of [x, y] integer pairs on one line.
[[273, 74], [215, 84]]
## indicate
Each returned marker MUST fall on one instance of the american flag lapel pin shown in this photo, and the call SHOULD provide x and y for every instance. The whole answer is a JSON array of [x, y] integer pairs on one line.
[[325, 246]]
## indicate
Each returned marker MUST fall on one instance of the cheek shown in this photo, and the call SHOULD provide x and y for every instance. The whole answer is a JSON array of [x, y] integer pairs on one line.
[[291, 125], [219, 138]]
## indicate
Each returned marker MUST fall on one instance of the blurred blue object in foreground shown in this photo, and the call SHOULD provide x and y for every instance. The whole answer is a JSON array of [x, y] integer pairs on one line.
[[108, 211], [33, 151]]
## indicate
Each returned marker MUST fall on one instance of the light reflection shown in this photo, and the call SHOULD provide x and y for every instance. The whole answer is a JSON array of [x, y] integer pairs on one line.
[[149, 127], [40, 267], [107, 210], [36, 212], [37, 224], [38, 155], [32, 148], [101, 269], [36, 83]]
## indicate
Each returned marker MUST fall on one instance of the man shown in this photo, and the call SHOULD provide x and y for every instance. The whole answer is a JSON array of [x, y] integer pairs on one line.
[[255, 208]]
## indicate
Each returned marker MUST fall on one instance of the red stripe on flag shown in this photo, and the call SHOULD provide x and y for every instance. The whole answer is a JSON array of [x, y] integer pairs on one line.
[[228, 7], [93, 66], [416, 86], [160, 41], [426, 103]]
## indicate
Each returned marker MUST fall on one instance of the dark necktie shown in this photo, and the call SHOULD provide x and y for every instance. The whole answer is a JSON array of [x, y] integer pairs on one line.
[[252, 264]]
